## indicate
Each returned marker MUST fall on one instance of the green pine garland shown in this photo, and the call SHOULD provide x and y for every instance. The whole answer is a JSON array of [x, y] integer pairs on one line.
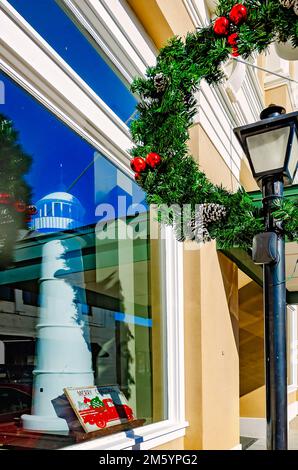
[[167, 107]]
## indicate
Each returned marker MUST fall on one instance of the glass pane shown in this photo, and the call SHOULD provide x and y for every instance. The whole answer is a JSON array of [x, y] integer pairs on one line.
[[268, 150], [53, 24], [80, 300], [293, 157]]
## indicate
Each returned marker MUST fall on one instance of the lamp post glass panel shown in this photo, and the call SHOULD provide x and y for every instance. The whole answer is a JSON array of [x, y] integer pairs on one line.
[[271, 147]]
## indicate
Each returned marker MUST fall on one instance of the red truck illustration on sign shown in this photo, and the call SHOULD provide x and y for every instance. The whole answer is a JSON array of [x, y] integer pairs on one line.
[[98, 408], [106, 413]]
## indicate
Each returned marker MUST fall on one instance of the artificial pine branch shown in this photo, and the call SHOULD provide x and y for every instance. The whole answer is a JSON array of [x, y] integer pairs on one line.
[[168, 106]]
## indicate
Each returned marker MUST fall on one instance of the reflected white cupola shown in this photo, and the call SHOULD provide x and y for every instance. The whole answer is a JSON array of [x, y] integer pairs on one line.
[[58, 211]]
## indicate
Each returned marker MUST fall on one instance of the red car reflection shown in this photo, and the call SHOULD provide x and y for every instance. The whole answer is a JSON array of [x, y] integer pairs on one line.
[[100, 416]]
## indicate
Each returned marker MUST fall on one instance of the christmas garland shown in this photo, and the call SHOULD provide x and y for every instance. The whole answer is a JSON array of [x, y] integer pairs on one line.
[[163, 168]]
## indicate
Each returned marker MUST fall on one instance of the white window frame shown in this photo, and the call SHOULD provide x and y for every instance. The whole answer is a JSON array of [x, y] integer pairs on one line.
[[36, 67], [293, 347]]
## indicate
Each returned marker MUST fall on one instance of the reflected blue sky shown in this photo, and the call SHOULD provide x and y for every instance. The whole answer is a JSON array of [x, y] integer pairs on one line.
[[50, 21], [52, 144]]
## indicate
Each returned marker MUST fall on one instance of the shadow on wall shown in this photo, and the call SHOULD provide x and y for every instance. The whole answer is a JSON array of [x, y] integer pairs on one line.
[[229, 273], [251, 338]]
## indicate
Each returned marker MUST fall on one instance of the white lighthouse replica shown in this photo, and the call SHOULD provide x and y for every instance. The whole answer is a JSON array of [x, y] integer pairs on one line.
[[63, 345]]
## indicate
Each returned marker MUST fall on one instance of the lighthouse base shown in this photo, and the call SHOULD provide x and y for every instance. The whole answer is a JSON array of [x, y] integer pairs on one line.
[[44, 423]]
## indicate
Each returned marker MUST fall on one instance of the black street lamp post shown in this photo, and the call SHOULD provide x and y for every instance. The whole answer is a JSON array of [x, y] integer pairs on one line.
[[271, 146]]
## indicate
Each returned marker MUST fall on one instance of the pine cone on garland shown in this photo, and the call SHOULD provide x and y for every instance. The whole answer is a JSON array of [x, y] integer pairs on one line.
[[205, 214], [287, 3], [213, 212], [198, 227], [160, 82], [296, 7]]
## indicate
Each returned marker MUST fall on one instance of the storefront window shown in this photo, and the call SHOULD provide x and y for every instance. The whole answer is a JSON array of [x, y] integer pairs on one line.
[[80, 299], [54, 25]]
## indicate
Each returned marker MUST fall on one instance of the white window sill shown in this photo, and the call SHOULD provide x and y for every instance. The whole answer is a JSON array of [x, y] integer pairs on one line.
[[143, 438]]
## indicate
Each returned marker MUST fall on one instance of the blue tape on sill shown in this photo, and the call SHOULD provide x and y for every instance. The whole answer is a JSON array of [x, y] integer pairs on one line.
[[124, 317]]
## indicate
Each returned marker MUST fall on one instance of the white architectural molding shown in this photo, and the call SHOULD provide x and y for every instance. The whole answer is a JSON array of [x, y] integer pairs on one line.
[[175, 325], [198, 11], [144, 438], [237, 447], [122, 41]]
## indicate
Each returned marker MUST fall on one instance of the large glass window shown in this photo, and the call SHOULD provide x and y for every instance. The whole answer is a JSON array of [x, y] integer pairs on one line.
[[54, 25], [80, 299]]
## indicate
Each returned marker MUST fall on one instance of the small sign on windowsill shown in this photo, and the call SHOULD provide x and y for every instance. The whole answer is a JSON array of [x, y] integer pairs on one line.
[[99, 407]]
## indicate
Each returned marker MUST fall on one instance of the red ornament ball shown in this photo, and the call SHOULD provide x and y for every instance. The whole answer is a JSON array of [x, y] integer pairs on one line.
[[5, 198], [138, 164], [235, 52], [221, 26], [238, 14], [233, 39], [153, 159], [20, 206], [31, 210]]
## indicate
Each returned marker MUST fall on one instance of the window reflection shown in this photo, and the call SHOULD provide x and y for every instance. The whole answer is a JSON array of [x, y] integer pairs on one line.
[[76, 306]]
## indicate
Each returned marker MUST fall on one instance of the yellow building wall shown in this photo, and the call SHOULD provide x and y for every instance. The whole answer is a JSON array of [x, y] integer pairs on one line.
[[246, 178], [279, 95], [176, 444], [253, 404], [153, 20]]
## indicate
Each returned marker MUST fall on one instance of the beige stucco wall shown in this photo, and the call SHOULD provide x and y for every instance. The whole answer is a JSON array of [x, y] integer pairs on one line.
[[152, 19], [209, 159], [253, 405], [246, 178], [176, 444], [279, 95]]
